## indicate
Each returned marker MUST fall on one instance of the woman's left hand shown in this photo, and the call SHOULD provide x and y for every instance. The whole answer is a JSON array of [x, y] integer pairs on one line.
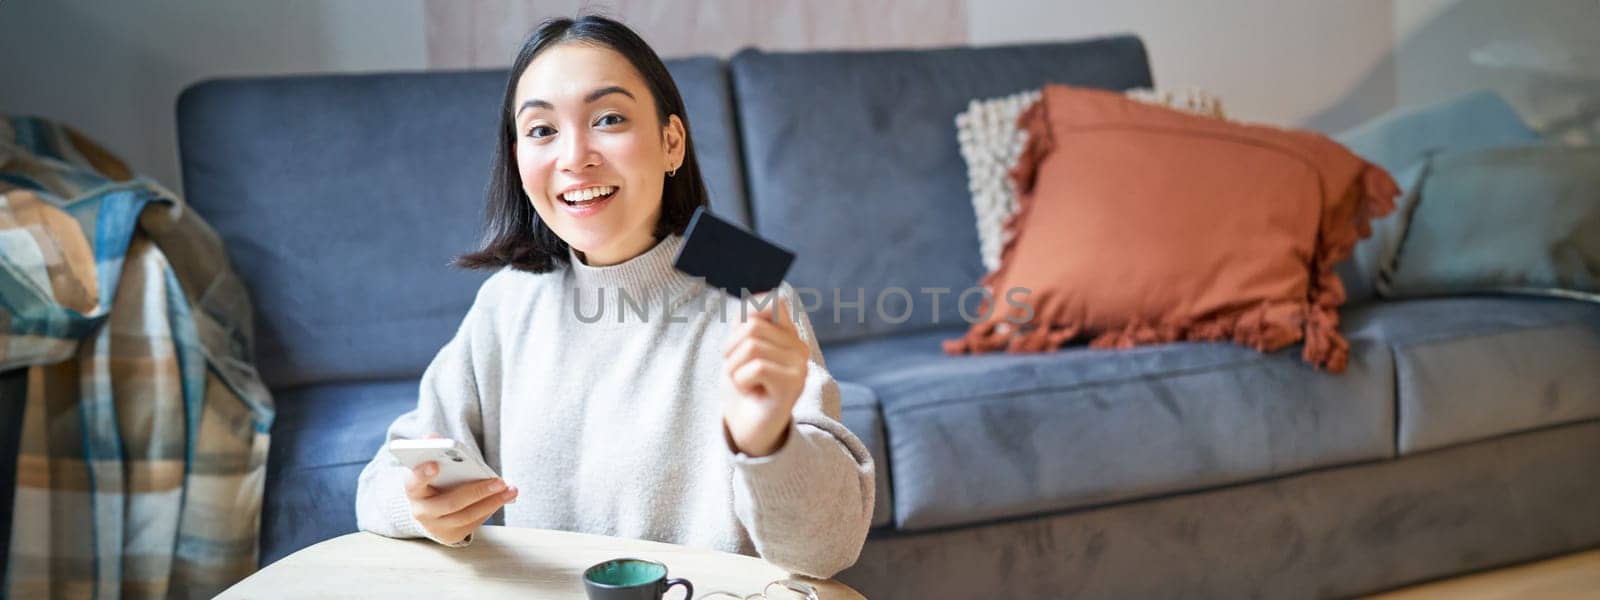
[[766, 361]]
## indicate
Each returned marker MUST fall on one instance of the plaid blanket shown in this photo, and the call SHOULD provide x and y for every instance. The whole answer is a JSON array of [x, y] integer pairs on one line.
[[144, 436]]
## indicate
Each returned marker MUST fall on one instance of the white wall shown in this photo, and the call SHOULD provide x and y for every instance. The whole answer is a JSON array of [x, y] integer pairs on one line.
[[114, 69], [484, 33], [1553, 72], [1290, 62]]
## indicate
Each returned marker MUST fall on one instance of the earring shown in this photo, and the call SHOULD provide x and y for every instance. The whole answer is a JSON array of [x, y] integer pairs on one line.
[[674, 171]]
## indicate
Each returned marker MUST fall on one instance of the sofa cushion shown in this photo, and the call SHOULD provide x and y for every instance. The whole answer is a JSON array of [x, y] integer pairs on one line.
[[863, 417], [342, 199], [1472, 368], [1398, 141], [703, 83], [325, 434], [1503, 219], [322, 438], [976, 438], [1344, 532], [852, 161]]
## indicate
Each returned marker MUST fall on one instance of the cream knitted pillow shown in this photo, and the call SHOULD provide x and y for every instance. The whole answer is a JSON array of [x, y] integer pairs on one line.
[[990, 144]]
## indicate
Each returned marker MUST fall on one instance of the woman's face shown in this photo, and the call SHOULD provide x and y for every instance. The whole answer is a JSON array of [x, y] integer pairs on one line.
[[591, 152]]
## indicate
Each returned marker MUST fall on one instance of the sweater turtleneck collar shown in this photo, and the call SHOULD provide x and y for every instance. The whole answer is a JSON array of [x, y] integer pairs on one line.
[[648, 277]]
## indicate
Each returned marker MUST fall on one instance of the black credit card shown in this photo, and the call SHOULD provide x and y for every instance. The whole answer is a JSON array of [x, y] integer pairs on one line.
[[729, 257]]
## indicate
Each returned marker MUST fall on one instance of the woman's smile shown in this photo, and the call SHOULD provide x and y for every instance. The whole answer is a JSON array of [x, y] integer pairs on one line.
[[587, 200]]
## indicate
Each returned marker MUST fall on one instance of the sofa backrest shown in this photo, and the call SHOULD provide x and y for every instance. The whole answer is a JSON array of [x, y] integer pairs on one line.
[[852, 161], [342, 200]]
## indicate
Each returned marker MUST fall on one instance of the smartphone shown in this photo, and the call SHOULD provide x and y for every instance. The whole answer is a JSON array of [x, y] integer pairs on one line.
[[457, 464], [729, 257]]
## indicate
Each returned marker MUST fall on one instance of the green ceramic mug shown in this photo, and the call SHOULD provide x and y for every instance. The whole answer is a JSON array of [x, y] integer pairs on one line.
[[631, 579]]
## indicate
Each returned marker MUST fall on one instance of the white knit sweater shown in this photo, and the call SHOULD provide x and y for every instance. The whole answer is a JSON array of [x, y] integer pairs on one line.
[[614, 426]]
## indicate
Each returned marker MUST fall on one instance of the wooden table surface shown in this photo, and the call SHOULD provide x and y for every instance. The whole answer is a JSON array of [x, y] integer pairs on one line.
[[1571, 576], [500, 562]]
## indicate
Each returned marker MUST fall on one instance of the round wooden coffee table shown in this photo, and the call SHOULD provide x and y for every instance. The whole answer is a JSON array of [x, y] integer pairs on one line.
[[501, 562]]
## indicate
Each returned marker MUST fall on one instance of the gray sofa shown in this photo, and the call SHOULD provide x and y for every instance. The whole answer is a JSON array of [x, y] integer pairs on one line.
[[1465, 434]]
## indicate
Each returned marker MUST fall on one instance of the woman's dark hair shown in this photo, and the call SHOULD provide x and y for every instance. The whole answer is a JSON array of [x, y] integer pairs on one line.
[[514, 235]]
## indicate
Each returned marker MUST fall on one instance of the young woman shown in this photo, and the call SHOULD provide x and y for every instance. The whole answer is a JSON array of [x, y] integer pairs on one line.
[[685, 422]]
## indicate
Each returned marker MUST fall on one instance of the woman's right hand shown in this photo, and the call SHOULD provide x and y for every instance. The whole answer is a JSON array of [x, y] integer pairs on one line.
[[451, 515]]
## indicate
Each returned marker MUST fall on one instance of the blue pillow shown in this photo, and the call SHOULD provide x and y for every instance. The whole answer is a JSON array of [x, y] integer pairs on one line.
[[1399, 141], [1514, 219]]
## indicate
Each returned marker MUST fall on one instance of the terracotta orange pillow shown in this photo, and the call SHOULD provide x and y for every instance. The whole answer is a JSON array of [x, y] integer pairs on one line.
[[1138, 224]]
